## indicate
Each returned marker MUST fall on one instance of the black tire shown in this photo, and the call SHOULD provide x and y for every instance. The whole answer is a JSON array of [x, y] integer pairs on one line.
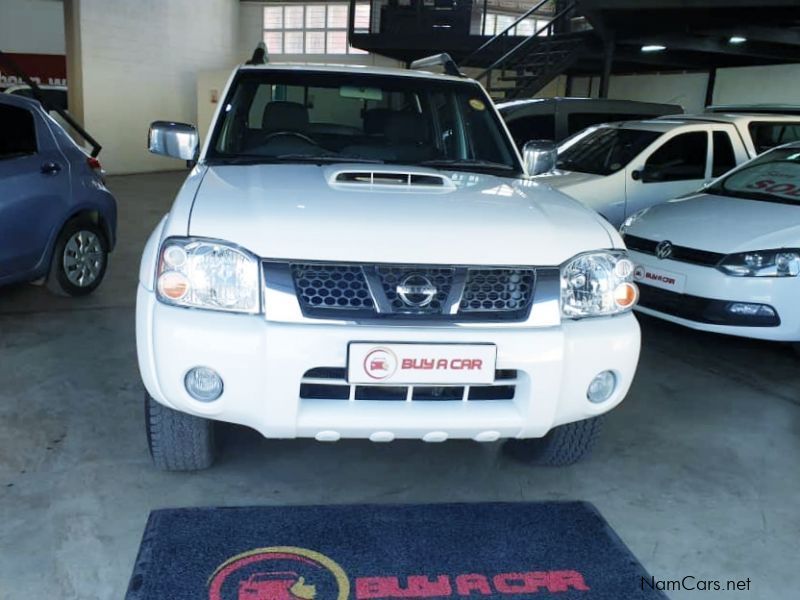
[[178, 441], [796, 347], [564, 445], [58, 279]]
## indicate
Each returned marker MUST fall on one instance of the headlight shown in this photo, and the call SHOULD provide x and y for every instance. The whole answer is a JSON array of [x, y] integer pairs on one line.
[[597, 284], [208, 274], [763, 263], [629, 222]]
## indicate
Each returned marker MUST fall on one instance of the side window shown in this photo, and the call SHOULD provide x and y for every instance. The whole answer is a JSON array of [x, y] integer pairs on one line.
[[683, 158], [724, 157], [538, 127], [768, 135], [17, 132]]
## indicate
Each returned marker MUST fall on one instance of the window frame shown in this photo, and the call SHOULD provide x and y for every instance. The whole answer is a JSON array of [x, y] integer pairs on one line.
[[667, 140], [304, 30], [35, 127]]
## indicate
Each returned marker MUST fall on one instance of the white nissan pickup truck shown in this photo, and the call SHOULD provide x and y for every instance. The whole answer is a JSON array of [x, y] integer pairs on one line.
[[359, 253], [619, 169]]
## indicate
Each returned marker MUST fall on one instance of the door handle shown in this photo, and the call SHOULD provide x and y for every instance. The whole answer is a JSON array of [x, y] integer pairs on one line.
[[51, 168]]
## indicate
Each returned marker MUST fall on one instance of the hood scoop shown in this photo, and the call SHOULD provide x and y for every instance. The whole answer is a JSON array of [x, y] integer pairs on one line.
[[395, 179]]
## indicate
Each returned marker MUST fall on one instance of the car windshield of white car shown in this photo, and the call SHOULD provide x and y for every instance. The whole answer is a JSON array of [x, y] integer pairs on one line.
[[773, 177], [324, 117], [603, 150]]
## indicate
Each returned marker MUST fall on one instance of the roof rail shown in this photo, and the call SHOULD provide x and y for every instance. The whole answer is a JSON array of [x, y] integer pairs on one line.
[[443, 59], [260, 56]]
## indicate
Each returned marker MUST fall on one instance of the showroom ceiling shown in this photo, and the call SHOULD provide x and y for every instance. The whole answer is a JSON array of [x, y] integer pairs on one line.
[[696, 35]]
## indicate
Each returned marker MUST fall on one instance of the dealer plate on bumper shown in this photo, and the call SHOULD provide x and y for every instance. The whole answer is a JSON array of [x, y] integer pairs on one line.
[[675, 282], [438, 364]]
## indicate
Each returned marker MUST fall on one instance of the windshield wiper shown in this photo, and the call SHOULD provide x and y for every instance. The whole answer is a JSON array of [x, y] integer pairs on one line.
[[748, 195], [465, 162]]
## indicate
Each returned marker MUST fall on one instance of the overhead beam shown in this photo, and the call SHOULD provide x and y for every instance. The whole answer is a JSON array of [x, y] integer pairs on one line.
[[757, 33], [714, 46]]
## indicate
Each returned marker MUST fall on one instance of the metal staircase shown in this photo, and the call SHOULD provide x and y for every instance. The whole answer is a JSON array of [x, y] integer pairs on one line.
[[529, 65]]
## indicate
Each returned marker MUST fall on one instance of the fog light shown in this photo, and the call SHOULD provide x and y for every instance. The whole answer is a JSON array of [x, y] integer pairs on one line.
[[203, 384], [751, 310], [602, 386]]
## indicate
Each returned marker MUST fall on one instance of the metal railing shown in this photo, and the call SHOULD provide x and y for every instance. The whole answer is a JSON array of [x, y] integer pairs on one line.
[[506, 32], [517, 50], [448, 17]]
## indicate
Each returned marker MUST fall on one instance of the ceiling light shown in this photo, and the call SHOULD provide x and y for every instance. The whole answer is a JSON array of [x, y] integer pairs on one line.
[[737, 39], [653, 48]]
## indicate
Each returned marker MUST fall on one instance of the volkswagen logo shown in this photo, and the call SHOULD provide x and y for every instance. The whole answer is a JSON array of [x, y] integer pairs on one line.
[[416, 290], [664, 249]]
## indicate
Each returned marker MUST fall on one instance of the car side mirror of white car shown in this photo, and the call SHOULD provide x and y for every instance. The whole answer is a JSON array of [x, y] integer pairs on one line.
[[177, 140], [539, 156]]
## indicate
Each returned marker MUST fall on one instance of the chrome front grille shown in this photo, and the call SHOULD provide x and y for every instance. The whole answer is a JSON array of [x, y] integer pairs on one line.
[[330, 383], [358, 291]]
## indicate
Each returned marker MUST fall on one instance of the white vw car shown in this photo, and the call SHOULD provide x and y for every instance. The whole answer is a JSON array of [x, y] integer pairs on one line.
[[358, 253], [726, 259]]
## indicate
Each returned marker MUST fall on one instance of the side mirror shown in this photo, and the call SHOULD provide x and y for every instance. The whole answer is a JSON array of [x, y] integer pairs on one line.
[[178, 140], [539, 156]]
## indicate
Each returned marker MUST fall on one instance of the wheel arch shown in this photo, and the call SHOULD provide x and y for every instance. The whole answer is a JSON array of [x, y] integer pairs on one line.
[[90, 214]]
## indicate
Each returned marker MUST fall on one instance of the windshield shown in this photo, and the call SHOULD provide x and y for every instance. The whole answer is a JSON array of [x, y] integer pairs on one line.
[[307, 116], [603, 150], [772, 177]]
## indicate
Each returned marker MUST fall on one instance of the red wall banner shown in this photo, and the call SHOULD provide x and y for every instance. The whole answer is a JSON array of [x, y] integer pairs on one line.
[[44, 69]]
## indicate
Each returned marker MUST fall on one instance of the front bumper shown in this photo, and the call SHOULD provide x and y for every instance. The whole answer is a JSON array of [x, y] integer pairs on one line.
[[703, 299], [262, 364]]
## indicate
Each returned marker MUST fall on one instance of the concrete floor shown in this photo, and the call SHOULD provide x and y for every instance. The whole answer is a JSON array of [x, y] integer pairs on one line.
[[697, 470]]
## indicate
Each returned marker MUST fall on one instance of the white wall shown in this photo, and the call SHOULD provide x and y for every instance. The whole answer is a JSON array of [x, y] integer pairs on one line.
[[746, 85], [686, 89], [773, 84], [32, 26], [140, 62]]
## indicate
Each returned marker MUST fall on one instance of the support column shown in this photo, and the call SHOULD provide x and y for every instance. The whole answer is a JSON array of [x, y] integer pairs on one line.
[[72, 37], [712, 80], [608, 62]]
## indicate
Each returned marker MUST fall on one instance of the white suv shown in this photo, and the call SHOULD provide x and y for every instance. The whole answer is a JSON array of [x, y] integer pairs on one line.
[[359, 253]]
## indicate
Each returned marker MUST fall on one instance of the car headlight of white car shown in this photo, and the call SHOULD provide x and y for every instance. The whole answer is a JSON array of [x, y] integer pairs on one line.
[[597, 284], [763, 263], [208, 274]]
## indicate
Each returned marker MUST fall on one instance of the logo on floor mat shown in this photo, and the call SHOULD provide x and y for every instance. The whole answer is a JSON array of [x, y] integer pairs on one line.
[[290, 573], [279, 573]]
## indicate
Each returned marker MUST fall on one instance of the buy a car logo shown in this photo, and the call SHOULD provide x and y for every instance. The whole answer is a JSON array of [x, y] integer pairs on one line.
[[292, 573], [380, 363], [279, 573]]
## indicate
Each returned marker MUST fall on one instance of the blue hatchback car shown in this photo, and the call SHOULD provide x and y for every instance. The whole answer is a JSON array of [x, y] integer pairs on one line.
[[57, 218]]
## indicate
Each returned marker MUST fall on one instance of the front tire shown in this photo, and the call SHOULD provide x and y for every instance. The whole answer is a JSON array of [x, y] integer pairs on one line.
[[563, 445], [178, 441], [80, 258]]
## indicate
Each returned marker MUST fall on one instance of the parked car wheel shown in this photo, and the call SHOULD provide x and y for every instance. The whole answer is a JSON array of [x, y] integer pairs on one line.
[[79, 259], [796, 347], [178, 441], [562, 446]]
